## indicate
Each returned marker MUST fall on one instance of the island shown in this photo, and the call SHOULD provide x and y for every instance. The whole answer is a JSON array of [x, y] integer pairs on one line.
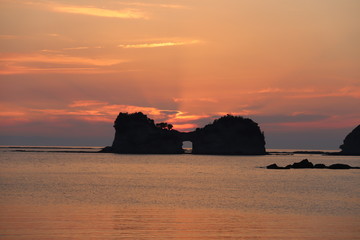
[[306, 164], [351, 145], [135, 133], [229, 135]]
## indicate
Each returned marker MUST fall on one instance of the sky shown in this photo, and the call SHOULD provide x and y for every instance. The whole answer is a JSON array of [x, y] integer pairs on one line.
[[67, 68]]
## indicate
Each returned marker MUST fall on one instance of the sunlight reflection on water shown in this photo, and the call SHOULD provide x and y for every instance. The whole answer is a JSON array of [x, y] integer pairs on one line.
[[115, 222]]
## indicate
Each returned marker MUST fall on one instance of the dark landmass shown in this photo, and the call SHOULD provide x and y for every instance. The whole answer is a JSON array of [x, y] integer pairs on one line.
[[306, 164], [351, 145], [56, 151], [136, 133], [43, 147], [228, 135], [300, 152]]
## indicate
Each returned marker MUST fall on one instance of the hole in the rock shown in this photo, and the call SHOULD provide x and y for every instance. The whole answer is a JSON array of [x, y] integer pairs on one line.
[[187, 146]]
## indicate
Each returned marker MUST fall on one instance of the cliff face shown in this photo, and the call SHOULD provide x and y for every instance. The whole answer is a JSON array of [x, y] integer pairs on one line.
[[351, 144], [229, 135], [136, 133]]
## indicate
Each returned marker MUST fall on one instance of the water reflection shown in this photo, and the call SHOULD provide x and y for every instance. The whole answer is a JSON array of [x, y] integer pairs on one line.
[[114, 222]]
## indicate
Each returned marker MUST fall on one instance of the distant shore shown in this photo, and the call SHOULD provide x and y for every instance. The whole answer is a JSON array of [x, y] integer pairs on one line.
[[69, 149]]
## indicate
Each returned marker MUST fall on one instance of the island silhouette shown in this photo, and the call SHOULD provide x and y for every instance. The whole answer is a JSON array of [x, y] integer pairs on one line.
[[351, 144], [135, 133]]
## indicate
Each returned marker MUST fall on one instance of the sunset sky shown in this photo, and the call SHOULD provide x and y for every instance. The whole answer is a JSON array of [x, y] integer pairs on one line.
[[67, 68]]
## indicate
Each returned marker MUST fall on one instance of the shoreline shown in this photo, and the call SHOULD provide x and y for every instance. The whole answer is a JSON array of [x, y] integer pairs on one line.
[[285, 153]]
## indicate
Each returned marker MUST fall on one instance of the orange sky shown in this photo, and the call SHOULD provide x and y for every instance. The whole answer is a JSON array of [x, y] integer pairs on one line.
[[67, 68]]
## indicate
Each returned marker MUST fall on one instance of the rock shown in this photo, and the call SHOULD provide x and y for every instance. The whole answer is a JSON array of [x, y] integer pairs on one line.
[[229, 135], [272, 166], [107, 149], [275, 166], [306, 164], [351, 145], [339, 166], [303, 164], [136, 133], [320, 165]]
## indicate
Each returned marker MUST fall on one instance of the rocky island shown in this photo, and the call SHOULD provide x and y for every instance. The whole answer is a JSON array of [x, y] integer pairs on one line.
[[351, 145], [306, 164], [229, 135], [136, 133]]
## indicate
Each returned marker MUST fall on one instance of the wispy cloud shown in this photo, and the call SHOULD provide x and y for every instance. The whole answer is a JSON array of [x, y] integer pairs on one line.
[[353, 91], [140, 4], [308, 93], [62, 50], [76, 48], [8, 37], [101, 12], [99, 112], [58, 58], [159, 44], [44, 63], [125, 13], [86, 103], [209, 100]]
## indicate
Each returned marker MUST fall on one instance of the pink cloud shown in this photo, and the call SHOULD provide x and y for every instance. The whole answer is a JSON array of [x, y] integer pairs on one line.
[[36, 63]]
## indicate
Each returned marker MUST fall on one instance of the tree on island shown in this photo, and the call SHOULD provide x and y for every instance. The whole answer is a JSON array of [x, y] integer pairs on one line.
[[164, 125]]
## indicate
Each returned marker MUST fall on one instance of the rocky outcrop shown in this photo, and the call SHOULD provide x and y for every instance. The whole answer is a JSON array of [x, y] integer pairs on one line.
[[351, 144], [136, 133], [229, 135], [307, 164]]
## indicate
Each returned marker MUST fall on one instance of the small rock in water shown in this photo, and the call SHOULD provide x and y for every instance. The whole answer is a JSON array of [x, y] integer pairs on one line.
[[320, 165], [339, 166], [272, 166], [303, 164], [307, 164], [275, 166]]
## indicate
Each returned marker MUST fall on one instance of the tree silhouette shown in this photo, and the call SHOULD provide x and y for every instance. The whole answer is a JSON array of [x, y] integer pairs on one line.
[[164, 125]]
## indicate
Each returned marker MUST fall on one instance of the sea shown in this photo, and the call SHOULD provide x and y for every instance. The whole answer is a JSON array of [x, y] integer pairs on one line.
[[77, 193]]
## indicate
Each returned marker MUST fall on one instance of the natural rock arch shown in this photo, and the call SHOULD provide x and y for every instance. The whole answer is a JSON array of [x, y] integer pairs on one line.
[[228, 135]]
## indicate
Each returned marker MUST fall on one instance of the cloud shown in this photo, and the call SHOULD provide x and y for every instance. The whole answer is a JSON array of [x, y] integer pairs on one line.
[[127, 13], [86, 103], [331, 122], [76, 48], [159, 44], [209, 100], [97, 112], [294, 118], [59, 58], [348, 91], [53, 63], [8, 37], [186, 127], [140, 4], [101, 12], [11, 113]]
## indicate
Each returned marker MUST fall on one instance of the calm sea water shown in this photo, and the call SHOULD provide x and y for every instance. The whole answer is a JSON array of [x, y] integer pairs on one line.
[[54, 195]]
